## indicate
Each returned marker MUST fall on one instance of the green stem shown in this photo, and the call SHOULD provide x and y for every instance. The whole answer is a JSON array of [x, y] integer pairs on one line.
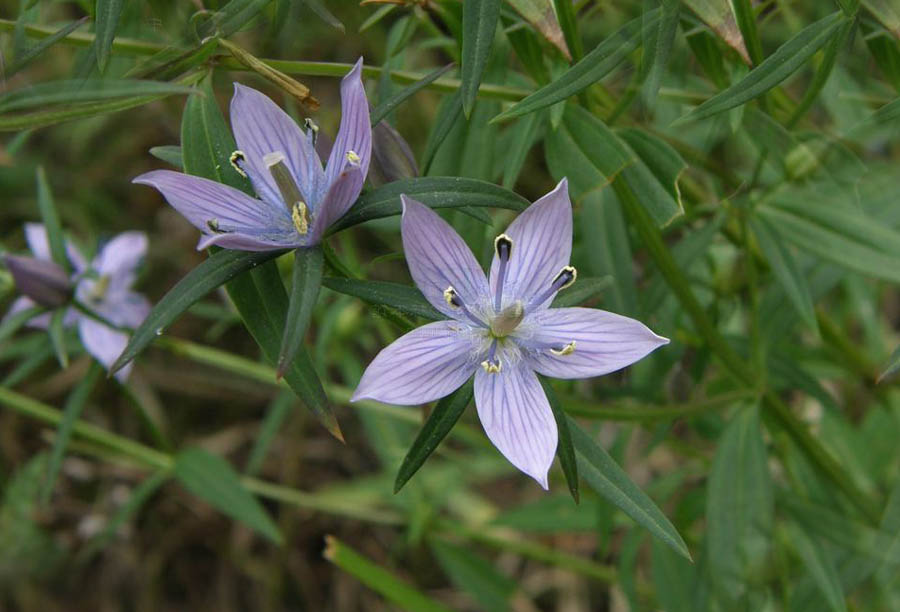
[[776, 409]]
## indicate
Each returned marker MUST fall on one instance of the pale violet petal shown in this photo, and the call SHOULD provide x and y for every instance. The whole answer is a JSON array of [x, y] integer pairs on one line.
[[438, 258], [517, 418], [208, 204], [103, 343], [355, 133], [119, 258], [421, 366], [338, 199], [261, 127], [604, 341], [244, 242], [36, 237], [542, 246]]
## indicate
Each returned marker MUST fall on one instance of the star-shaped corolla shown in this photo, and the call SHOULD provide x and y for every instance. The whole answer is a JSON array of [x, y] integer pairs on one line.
[[501, 328], [298, 199], [103, 287]]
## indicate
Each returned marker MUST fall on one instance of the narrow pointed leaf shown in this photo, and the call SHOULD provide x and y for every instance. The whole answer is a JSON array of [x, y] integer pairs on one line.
[[604, 475], [374, 576], [11, 324], [475, 574], [719, 15], [213, 480], [887, 12], [786, 60], [565, 451], [307, 279], [820, 566], [594, 66], [479, 23], [51, 221], [436, 192], [439, 423], [36, 50], [404, 298], [568, 23], [106, 20], [92, 90], [893, 365], [541, 15], [385, 108], [71, 412], [449, 112], [276, 414], [171, 154], [58, 337], [786, 270], [663, 38], [583, 290]]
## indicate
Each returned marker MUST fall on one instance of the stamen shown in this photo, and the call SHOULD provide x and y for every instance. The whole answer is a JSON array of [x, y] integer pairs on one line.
[[213, 225], [492, 364], [503, 247], [290, 193], [353, 158], [300, 218], [566, 350], [312, 130], [561, 281], [237, 160], [98, 291], [507, 321], [455, 302]]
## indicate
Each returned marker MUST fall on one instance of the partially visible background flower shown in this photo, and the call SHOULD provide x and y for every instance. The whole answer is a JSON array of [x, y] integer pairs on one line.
[[392, 159], [44, 282], [501, 328], [102, 287], [298, 199]]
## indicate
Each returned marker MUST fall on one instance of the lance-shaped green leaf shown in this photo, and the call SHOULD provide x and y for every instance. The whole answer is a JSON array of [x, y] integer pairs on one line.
[[106, 19], [439, 423], [887, 12], [592, 67], [51, 221], [379, 579], [404, 298], [583, 290], [58, 337], [71, 412], [473, 573], [565, 451], [740, 508], [91, 90], [719, 15], [541, 15], [598, 155], [212, 273], [658, 44], [33, 52], [171, 154], [568, 23], [786, 270], [213, 480], [448, 113], [11, 324], [604, 475], [893, 365], [786, 60], [307, 279], [435, 192], [479, 23], [820, 566], [233, 16], [385, 108]]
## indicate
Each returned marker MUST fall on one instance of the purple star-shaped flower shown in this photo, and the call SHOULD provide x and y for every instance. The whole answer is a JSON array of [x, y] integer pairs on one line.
[[298, 199], [102, 286], [501, 328]]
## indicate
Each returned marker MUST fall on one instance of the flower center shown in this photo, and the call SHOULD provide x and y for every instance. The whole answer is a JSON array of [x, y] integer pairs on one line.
[[290, 193], [98, 291], [508, 320]]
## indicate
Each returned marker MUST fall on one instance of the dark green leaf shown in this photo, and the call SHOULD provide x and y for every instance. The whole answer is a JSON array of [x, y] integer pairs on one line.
[[106, 19], [593, 67], [719, 15], [35, 51], [541, 15], [564, 449], [474, 574], [439, 423], [71, 412], [404, 298], [385, 108], [673, 577], [786, 270], [436, 192], [233, 17], [584, 289], [212, 479], [786, 60], [820, 566], [51, 221], [58, 337], [91, 90], [655, 58], [608, 479], [448, 113], [479, 25], [215, 271], [893, 365], [552, 514], [11, 324], [739, 506], [170, 154], [568, 23], [306, 281]]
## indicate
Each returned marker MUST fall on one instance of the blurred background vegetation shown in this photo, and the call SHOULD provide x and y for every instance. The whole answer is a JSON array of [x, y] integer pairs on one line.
[[762, 431]]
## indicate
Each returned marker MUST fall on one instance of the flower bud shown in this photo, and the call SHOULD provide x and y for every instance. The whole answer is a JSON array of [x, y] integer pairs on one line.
[[43, 281], [391, 157]]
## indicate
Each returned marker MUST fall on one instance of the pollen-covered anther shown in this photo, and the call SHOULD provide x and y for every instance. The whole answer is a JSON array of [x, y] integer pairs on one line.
[[452, 298], [300, 217], [565, 278], [353, 158], [566, 350], [503, 246], [491, 366], [213, 225], [312, 130], [237, 158]]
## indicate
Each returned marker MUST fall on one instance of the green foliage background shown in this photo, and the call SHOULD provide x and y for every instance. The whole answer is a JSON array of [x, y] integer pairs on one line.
[[736, 186]]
